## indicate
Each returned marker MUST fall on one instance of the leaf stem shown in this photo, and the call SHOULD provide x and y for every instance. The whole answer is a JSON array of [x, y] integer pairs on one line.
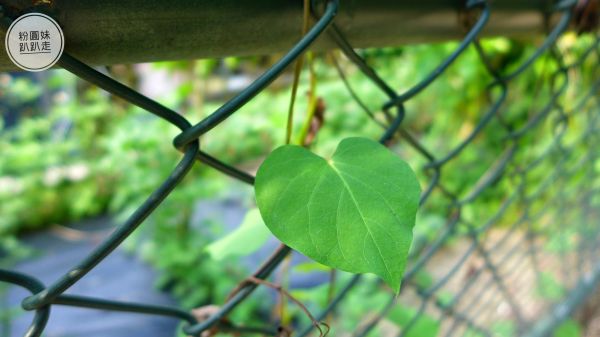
[[297, 70], [312, 100]]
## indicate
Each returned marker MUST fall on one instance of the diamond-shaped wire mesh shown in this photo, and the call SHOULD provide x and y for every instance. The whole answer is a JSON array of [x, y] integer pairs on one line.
[[500, 264]]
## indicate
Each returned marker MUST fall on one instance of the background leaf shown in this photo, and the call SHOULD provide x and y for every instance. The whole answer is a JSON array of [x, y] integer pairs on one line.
[[568, 328], [423, 326], [247, 238]]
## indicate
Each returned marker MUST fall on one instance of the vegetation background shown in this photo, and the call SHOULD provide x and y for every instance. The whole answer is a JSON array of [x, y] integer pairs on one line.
[[70, 151]]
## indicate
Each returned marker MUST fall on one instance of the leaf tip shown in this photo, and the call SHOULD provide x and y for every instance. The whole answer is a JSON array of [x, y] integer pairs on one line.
[[393, 282]]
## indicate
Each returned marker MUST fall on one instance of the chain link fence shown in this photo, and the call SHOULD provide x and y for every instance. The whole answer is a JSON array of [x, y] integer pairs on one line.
[[497, 261]]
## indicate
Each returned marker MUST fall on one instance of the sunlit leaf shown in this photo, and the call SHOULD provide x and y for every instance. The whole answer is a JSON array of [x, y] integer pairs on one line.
[[354, 212]]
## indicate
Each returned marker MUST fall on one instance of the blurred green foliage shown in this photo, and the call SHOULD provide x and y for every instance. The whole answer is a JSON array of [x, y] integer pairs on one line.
[[569, 328]]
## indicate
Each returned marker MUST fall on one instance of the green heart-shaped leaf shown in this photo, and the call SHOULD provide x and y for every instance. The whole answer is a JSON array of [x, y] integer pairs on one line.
[[354, 212]]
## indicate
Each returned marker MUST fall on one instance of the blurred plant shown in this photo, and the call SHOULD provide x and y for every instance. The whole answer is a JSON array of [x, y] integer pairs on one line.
[[86, 153]]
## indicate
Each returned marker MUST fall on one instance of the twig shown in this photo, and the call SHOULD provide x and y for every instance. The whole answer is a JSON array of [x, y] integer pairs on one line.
[[278, 288]]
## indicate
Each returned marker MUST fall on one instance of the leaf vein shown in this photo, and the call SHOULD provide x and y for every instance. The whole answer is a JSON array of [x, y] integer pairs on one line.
[[362, 217]]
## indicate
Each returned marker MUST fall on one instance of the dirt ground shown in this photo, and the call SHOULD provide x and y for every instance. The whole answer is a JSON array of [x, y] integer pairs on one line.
[[490, 296], [589, 315]]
